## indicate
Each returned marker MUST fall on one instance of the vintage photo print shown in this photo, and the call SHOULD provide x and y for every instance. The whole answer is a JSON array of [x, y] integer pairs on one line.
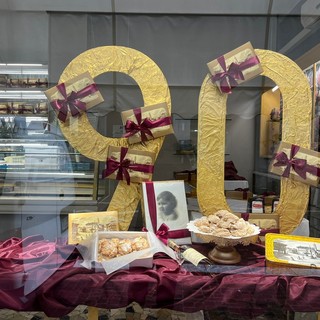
[[171, 203]]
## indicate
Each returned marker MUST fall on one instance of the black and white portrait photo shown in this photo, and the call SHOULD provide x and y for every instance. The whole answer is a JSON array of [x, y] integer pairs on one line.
[[170, 202]]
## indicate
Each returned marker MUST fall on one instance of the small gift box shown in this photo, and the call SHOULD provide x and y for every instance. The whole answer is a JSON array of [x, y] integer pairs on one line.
[[294, 162], [17, 107], [290, 250], [239, 194], [146, 123], [27, 108], [129, 164], [165, 210], [41, 108], [83, 225], [267, 222], [235, 67], [4, 108], [74, 96]]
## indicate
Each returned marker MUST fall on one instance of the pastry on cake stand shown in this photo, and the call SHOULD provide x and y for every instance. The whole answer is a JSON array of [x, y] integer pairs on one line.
[[224, 251]]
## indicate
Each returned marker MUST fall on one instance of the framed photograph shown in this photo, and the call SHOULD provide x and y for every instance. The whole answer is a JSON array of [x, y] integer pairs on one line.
[[293, 250], [83, 225], [165, 202]]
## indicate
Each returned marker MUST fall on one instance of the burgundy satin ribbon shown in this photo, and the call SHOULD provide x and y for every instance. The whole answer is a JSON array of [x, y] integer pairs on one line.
[[144, 126], [163, 232], [123, 166], [300, 166], [72, 101], [228, 78]]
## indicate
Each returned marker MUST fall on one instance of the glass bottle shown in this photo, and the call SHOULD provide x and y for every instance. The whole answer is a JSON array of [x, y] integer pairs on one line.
[[185, 252]]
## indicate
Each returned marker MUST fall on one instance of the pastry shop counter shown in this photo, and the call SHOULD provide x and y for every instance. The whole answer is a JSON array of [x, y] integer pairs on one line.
[[39, 275]]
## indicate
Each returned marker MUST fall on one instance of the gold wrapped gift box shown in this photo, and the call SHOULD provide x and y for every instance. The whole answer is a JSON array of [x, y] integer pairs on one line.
[[154, 114], [75, 86], [294, 162], [135, 157], [243, 58]]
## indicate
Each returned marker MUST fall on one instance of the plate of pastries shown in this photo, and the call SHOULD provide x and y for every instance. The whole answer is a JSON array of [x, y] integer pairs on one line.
[[224, 228]]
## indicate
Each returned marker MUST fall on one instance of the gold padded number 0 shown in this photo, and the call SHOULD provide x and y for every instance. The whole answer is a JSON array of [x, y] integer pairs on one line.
[[296, 129]]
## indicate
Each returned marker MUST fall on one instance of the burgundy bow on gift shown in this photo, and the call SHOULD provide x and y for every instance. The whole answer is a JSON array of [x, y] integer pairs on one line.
[[144, 126], [123, 166], [72, 101], [300, 166], [162, 233], [228, 78]]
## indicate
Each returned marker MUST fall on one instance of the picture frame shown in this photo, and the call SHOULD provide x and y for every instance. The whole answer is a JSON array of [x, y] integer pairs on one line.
[[166, 202]]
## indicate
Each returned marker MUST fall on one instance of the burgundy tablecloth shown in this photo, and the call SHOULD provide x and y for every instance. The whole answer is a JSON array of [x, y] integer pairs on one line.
[[37, 275]]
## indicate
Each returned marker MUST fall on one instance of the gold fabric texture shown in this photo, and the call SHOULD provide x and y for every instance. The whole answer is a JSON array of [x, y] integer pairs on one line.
[[84, 138], [296, 129]]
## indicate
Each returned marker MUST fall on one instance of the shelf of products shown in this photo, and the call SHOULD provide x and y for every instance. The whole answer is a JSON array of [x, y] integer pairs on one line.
[[23, 105], [45, 169]]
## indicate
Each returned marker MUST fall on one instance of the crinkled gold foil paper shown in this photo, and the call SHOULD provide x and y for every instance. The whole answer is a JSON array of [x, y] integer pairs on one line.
[[84, 138], [296, 129]]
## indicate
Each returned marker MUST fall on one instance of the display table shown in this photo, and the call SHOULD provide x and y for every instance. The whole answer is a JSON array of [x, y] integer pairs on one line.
[[37, 275]]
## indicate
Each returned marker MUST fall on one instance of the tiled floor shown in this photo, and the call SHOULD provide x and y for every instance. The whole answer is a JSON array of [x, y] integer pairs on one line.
[[80, 313], [134, 312]]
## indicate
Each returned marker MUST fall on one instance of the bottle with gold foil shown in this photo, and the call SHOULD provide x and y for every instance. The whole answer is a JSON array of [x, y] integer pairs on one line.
[[185, 252]]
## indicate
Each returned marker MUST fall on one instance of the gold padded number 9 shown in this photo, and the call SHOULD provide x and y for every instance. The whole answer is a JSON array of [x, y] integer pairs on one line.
[[296, 129], [84, 138]]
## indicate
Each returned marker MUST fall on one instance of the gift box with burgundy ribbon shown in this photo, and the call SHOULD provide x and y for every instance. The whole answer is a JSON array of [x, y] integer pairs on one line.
[[267, 222], [165, 210], [235, 67], [74, 97], [297, 163], [147, 123], [239, 194], [129, 165], [5, 108]]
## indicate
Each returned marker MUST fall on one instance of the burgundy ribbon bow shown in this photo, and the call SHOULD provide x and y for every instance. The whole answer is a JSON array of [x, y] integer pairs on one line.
[[123, 166], [144, 126], [300, 166], [163, 232], [72, 101], [228, 78]]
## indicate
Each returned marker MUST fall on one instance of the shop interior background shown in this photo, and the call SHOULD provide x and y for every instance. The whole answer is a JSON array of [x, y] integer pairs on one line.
[[181, 37]]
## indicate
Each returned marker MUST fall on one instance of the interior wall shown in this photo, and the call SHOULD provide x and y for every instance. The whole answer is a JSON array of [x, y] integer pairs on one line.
[[181, 45], [24, 37]]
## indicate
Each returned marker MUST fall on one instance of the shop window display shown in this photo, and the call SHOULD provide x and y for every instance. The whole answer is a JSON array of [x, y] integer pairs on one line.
[[70, 278]]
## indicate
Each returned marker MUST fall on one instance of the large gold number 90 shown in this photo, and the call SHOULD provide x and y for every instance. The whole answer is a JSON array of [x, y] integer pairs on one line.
[[296, 129], [84, 138]]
